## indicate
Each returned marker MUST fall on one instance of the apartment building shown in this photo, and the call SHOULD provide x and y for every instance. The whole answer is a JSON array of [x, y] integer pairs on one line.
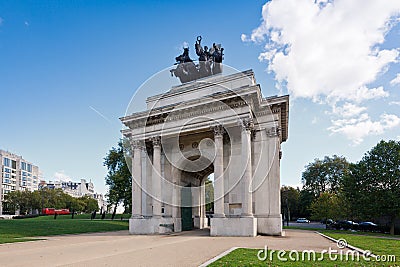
[[16, 174]]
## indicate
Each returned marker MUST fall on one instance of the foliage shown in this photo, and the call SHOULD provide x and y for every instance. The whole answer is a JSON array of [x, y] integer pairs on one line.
[[305, 199], [27, 202], [373, 185], [326, 206], [325, 175], [119, 176], [290, 199], [209, 194]]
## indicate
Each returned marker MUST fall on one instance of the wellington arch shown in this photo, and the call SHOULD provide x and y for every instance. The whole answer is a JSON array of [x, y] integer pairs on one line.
[[220, 125]]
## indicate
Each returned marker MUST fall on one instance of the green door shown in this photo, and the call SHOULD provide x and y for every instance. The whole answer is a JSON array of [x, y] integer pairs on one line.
[[186, 209]]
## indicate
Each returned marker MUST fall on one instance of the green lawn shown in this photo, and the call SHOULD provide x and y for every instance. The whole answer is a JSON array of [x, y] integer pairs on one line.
[[248, 257], [23, 229], [377, 245]]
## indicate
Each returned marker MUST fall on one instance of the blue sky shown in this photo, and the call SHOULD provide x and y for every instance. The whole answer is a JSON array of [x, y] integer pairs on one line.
[[64, 62]]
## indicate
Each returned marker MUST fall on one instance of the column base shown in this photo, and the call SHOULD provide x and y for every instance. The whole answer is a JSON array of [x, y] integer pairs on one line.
[[237, 226], [177, 224], [200, 222], [269, 224], [146, 226]]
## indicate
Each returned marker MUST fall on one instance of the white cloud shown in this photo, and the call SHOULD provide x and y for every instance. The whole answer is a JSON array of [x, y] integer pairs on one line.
[[394, 103], [395, 80], [61, 176], [356, 129], [348, 110], [26, 23], [328, 51]]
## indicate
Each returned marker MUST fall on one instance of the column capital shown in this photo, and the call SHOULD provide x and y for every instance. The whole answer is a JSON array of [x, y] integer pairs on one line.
[[273, 131], [247, 124], [136, 144], [156, 140], [218, 130]]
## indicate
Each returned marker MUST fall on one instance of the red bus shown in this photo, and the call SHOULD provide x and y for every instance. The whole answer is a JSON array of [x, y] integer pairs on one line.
[[52, 211]]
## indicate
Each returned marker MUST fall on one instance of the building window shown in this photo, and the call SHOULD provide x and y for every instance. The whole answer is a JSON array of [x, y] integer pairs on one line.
[[29, 167], [23, 166], [6, 162], [7, 175], [7, 170], [13, 164]]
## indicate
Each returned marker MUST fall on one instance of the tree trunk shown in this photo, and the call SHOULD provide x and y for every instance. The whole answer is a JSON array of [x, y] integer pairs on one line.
[[392, 225], [114, 212]]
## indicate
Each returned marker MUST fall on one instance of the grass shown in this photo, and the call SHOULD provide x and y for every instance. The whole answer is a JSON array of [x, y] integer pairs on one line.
[[25, 229], [248, 257], [377, 243]]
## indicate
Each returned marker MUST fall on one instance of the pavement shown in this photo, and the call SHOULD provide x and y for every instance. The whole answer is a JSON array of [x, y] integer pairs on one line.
[[190, 248]]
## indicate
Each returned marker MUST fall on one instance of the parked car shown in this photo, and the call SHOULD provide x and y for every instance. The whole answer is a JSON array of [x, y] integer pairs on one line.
[[329, 221], [346, 225], [368, 226], [302, 220]]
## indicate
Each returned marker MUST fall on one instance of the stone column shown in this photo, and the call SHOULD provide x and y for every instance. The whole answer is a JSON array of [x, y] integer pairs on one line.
[[247, 199], [156, 176], [218, 172], [137, 179], [176, 199], [203, 218]]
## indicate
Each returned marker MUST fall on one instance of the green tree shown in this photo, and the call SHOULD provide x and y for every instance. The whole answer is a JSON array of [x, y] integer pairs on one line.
[[89, 204], [290, 199], [326, 206], [209, 194], [373, 185], [305, 199], [119, 177], [325, 175]]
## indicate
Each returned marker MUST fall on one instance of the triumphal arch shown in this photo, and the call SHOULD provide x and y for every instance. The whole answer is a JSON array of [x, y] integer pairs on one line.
[[216, 127]]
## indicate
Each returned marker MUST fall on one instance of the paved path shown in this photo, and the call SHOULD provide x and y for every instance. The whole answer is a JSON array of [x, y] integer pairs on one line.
[[121, 249]]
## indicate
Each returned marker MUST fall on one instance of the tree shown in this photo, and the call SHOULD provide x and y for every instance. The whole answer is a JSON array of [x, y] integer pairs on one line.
[[373, 184], [209, 194], [305, 199], [89, 204], [326, 206], [325, 175], [119, 177], [290, 197]]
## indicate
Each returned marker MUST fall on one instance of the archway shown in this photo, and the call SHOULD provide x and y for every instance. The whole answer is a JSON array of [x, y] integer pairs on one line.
[[193, 195]]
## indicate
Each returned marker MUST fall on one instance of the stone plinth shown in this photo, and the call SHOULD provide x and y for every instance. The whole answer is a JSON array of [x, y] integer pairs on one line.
[[269, 225], [145, 226], [237, 226]]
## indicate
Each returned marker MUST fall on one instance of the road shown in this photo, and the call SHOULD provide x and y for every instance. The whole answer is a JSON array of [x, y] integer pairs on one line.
[[317, 225]]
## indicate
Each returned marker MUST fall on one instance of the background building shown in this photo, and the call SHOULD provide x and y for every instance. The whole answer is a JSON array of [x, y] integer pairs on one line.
[[77, 189], [16, 174]]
